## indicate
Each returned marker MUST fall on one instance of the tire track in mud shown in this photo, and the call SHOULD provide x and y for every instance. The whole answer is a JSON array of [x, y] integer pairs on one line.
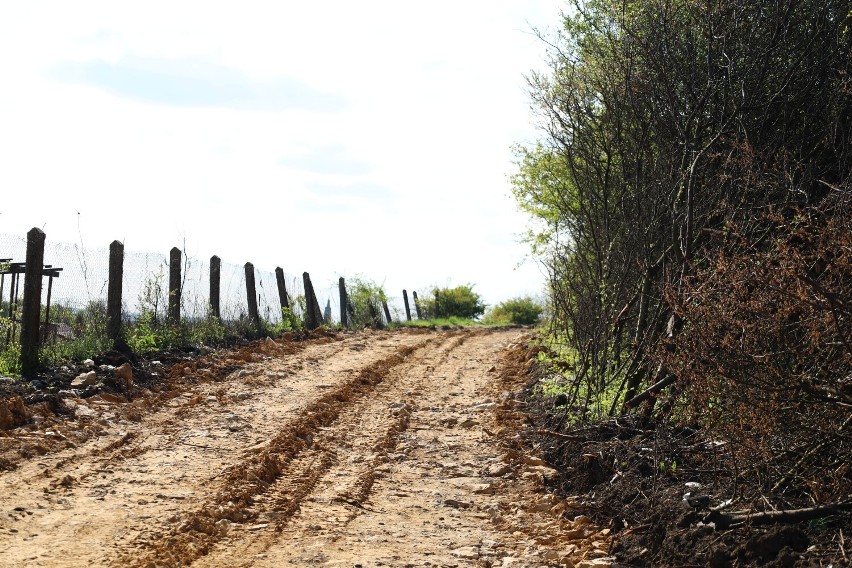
[[382, 449], [84, 504], [293, 457], [336, 474]]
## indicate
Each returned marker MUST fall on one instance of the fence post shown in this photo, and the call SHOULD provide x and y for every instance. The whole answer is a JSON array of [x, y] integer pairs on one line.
[[215, 280], [387, 311], [344, 302], [407, 307], [282, 288], [116, 274], [417, 305], [313, 317], [31, 309], [174, 285], [251, 295]]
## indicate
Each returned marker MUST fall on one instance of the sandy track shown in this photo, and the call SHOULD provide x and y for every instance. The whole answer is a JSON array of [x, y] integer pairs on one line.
[[377, 449]]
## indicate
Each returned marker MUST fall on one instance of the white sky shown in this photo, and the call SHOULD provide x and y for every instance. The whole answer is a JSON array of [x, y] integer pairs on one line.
[[335, 137]]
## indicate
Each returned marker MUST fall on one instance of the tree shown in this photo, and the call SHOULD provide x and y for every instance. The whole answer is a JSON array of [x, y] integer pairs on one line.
[[663, 122]]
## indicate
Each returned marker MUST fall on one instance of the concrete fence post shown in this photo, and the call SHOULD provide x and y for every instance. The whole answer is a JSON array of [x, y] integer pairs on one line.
[[251, 295], [387, 311], [313, 317], [344, 303], [215, 283], [116, 275], [417, 306], [407, 307], [282, 288], [174, 285], [31, 308]]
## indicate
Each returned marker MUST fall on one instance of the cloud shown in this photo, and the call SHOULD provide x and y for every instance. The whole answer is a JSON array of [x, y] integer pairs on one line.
[[195, 83], [366, 191], [329, 159]]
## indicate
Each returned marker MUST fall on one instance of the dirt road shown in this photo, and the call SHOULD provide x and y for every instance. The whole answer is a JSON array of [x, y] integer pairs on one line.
[[369, 448]]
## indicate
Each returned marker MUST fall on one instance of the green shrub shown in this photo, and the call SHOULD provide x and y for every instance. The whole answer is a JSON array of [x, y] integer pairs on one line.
[[460, 302], [365, 301], [523, 310]]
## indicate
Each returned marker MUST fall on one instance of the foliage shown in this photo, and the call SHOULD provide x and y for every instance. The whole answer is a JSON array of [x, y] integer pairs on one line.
[[89, 326], [686, 199], [10, 360], [663, 122], [461, 302], [523, 310], [451, 321], [766, 351], [289, 322], [365, 302]]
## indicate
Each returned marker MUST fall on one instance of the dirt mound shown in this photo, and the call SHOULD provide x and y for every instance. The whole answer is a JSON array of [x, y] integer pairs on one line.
[[672, 498]]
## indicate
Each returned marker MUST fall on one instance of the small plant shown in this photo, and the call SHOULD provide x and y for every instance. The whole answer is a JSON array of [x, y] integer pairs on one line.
[[523, 311], [289, 322], [10, 360], [365, 301]]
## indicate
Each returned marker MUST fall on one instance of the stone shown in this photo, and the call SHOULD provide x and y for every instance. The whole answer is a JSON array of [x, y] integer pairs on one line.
[[498, 470], [594, 563], [13, 413], [89, 364], [124, 374], [483, 406], [466, 553], [85, 380], [7, 380], [533, 460], [83, 410]]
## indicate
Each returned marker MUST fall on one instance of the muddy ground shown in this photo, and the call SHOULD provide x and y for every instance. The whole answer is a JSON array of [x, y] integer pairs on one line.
[[393, 448], [665, 491]]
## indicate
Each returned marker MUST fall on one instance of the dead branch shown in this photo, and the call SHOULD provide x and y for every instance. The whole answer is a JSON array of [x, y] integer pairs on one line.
[[724, 521]]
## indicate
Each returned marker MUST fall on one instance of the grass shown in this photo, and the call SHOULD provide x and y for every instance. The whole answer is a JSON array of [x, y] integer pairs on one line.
[[441, 322]]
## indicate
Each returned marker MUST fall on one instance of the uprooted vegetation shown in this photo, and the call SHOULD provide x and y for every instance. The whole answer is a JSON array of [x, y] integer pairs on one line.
[[695, 201]]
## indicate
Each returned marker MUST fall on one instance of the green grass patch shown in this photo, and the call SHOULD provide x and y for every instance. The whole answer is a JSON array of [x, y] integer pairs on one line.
[[442, 322]]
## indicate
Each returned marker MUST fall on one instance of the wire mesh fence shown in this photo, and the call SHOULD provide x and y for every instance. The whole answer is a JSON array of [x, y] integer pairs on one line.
[[74, 297]]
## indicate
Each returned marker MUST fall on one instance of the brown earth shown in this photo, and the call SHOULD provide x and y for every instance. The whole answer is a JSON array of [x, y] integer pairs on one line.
[[396, 448]]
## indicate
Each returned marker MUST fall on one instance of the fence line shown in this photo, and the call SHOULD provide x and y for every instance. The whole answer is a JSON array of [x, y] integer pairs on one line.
[[172, 287]]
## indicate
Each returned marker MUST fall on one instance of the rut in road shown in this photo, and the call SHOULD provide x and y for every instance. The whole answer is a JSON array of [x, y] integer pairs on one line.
[[128, 468], [372, 448], [295, 457]]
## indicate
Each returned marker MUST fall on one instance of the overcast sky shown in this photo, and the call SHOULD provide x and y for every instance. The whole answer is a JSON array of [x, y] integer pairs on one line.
[[336, 137]]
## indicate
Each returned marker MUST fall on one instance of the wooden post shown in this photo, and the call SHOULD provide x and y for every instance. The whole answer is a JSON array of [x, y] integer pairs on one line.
[[407, 307], [174, 285], [344, 303], [282, 288], [313, 317], [417, 305], [215, 281], [31, 309], [437, 306], [251, 295], [387, 311], [116, 274]]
